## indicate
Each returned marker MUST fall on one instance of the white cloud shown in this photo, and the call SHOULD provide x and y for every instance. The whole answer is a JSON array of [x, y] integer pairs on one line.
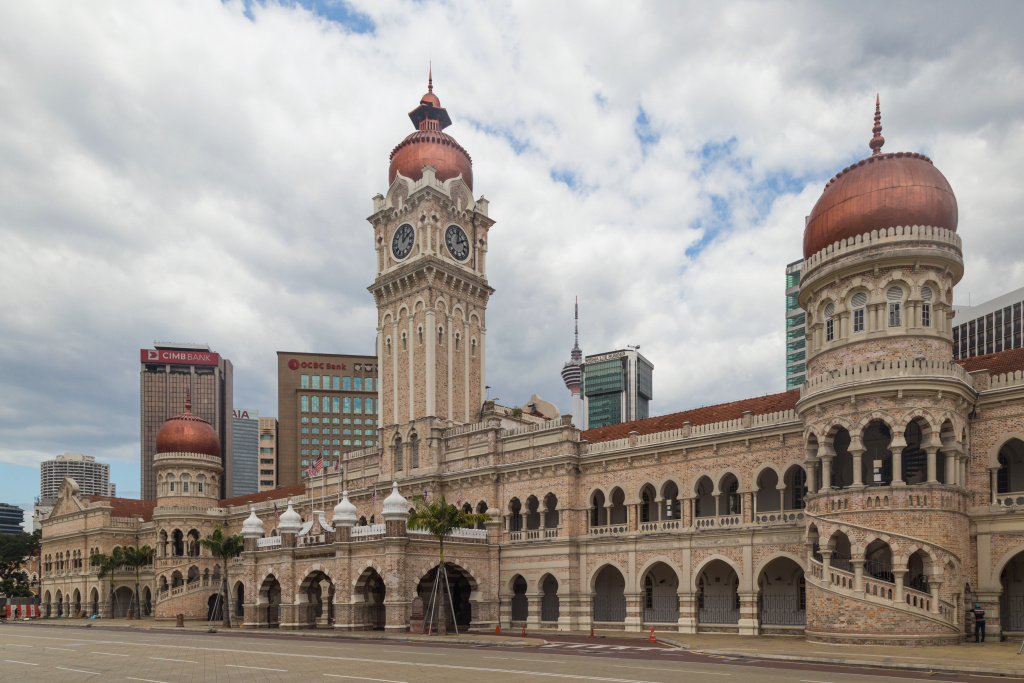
[[183, 171]]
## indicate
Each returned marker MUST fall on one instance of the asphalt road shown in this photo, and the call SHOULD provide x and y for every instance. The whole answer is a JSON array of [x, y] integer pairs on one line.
[[35, 653]]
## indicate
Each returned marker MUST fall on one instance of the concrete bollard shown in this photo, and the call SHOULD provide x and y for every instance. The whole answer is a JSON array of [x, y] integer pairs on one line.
[[181, 621]]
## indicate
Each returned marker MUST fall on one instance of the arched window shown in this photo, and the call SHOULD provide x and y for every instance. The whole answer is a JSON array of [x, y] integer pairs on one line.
[[184, 483], [398, 455], [414, 451], [170, 483], [387, 345], [419, 333], [926, 307], [405, 342], [440, 336], [894, 295], [472, 348], [515, 519], [858, 303], [200, 482], [457, 338], [830, 329]]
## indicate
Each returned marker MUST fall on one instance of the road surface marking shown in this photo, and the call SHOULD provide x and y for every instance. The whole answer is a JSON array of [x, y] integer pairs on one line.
[[164, 659], [360, 678], [495, 657], [109, 654], [261, 668], [14, 661], [15, 645], [147, 680], [405, 652], [61, 648], [93, 673], [671, 671], [546, 661], [802, 680]]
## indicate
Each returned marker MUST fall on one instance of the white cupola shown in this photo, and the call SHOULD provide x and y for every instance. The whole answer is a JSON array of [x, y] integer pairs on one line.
[[345, 513], [291, 521], [252, 527], [396, 507]]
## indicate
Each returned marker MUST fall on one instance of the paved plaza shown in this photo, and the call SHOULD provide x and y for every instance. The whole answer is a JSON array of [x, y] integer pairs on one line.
[[30, 652]]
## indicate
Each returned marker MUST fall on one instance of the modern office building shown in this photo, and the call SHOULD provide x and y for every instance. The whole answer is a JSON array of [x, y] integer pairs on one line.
[[170, 373], [989, 327], [11, 517], [245, 438], [796, 328], [93, 478], [268, 454], [327, 405], [617, 387]]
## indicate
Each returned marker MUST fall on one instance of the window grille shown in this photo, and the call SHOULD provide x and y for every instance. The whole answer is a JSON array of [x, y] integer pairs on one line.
[[926, 307], [858, 302], [830, 310]]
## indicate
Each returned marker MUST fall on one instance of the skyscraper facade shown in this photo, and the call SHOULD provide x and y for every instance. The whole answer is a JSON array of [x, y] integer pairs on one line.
[[170, 372], [796, 329], [327, 405], [617, 387], [268, 454], [93, 478], [11, 517], [245, 438], [989, 327]]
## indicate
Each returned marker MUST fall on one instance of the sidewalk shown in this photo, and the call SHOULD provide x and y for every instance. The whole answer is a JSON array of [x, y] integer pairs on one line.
[[988, 658]]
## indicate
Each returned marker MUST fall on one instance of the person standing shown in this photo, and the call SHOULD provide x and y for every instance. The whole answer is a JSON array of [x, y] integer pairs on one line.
[[979, 622]]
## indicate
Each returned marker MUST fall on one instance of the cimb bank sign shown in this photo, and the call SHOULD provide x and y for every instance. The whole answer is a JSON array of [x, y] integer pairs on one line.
[[179, 357]]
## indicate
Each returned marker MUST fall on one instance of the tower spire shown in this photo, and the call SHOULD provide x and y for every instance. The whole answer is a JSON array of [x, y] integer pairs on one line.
[[577, 354], [430, 76], [877, 140]]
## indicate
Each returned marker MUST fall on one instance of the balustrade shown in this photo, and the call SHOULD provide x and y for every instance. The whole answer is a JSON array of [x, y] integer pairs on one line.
[[608, 530], [269, 542], [780, 517], [719, 522]]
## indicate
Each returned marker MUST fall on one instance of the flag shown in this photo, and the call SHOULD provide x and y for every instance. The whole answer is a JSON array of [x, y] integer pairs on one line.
[[337, 464], [424, 494], [277, 515], [373, 499], [309, 470], [318, 465]]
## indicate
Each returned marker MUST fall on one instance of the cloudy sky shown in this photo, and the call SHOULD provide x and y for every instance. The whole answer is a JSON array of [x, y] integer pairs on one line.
[[201, 171]]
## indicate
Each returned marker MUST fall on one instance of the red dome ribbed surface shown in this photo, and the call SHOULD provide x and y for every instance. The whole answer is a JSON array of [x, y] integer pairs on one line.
[[877, 193], [431, 148], [187, 433]]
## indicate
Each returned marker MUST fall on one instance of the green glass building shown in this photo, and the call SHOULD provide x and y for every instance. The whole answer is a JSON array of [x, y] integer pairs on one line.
[[796, 327], [617, 387]]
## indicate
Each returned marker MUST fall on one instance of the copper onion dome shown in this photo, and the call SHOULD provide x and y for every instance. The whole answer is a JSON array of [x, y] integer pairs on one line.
[[879, 192], [187, 433], [429, 146]]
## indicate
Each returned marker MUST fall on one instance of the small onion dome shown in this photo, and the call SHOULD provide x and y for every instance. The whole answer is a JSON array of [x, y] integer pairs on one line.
[[429, 146], [345, 513], [880, 192], [187, 433], [252, 527], [291, 521], [395, 506]]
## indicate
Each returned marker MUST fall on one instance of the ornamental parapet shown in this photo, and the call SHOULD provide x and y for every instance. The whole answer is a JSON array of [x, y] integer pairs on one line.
[[912, 236], [875, 371], [939, 497]]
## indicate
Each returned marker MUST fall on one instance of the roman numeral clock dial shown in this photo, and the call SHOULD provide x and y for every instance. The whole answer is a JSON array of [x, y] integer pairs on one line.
[[401, 243], [457, 242]]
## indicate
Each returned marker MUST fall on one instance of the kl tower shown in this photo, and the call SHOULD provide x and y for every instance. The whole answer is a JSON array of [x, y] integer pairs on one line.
[[572, 374]]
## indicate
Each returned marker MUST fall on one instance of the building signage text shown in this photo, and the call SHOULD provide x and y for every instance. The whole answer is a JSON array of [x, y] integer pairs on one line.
[[179, 357]]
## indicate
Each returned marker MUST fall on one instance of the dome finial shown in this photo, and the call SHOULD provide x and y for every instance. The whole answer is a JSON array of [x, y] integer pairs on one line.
[[430, 76], [877, 140]]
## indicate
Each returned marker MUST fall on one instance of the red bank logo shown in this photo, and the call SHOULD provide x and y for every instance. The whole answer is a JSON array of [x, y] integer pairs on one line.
[[293, 364], [310, 365]]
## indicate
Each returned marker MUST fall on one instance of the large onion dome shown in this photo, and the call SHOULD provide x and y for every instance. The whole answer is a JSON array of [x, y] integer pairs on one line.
[[345, 513], [290, 522], [187, 433], [430, 146], [252, 527], [395, 505], [879, 192]]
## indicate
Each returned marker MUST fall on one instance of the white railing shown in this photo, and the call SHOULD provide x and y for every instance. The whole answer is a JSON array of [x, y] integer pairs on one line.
[[1009, 501], [779, 517], [270, 542], [368, 531], [663, 525], [877, 370], [475, 534], [608, 530], [719, 522]]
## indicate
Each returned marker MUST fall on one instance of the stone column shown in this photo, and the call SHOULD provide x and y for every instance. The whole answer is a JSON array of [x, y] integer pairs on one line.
[[858, 574], [634, 618], [718, 506], [687, 512], [533, 611], [687, 612], [826, 472], [858, 465], [748, 508], [995, 483], [897, 593], [810, 469], [782, 497], [543, 512], [826, 564], [633, 516], [749, 623], [952, 467], [932, 451], [897, 466], [323, 621]]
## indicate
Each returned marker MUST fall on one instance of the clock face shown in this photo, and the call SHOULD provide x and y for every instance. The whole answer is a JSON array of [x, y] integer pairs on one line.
[[457, 242], [402, 242]]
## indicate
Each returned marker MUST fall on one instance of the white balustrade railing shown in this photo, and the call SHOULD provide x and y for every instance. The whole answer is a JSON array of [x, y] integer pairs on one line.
[[269, 542], [718, 522], [368, 531], [608, 530]]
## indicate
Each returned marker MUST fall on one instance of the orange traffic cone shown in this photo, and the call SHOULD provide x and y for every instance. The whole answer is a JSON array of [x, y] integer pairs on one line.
[[497, 630], [652, 639], [591, 631], [524, 632], [429, 626]]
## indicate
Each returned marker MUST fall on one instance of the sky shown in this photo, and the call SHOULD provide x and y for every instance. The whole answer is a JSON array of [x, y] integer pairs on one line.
[[201, 171]]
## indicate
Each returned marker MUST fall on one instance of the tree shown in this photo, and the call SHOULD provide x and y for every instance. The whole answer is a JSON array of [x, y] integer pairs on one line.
[[14, 549], [225, 548], [440, 519], [136, 559], [107, 565]]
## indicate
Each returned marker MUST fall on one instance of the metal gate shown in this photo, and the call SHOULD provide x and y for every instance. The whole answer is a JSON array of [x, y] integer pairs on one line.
[[661, 609]]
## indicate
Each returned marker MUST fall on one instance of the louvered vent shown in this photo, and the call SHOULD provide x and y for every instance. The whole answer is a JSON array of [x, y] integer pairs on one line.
[[894, 293], [859, 300], [926, 293], [829, 310]]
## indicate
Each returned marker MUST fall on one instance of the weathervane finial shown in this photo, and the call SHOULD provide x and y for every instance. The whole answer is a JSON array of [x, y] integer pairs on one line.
[[877, 140]]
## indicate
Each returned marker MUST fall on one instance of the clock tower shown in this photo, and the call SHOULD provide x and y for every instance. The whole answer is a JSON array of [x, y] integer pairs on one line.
[[431, 291]]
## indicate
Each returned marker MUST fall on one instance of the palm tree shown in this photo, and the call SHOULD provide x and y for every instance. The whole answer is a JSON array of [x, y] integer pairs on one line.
[[107, 565], [440, 519], [136, 559], [224, 548]]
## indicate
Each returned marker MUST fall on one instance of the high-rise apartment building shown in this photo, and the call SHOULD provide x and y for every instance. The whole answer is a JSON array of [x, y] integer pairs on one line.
[[93, 478], [796, 327], [11, 517], [268, 454], [169, 373], [617, 387], [245, 437], [989, 327], [327, 405]]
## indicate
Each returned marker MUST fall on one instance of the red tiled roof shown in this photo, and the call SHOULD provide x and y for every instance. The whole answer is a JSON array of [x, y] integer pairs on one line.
[[996, 363], [276, 494], [698, 416], [128, 507]]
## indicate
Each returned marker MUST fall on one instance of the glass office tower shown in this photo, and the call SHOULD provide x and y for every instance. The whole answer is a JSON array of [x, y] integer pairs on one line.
[[796, 328]]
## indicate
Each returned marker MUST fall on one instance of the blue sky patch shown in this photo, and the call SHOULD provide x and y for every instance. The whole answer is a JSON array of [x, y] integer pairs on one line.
[[644, 132]]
